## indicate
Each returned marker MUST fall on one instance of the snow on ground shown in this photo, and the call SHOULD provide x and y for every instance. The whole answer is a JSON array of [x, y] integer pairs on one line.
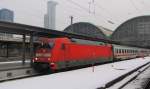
[[77, 79]]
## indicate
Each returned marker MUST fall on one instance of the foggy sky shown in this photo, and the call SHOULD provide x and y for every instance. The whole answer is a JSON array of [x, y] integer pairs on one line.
[[102, 12]]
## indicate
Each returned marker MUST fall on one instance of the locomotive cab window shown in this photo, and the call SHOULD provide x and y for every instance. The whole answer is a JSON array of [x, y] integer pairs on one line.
[[46, 46]]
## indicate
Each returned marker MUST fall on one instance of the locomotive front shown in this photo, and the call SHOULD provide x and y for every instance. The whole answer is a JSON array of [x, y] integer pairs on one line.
[[43, 55]]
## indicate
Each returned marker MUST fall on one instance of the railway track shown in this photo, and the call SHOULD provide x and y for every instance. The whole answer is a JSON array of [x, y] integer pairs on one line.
[[124, 80], [141, 81], [147, 86]]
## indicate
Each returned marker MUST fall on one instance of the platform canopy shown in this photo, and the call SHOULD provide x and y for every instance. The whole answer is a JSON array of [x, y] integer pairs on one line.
[[135, 31]]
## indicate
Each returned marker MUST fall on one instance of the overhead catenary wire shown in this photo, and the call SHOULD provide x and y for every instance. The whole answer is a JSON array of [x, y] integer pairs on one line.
[[106, 11], [133, 4], [144, 4], [87, 10], [95, 4]]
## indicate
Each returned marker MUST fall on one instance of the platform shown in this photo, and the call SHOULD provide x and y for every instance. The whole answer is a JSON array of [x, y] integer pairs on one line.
[[13, 64]]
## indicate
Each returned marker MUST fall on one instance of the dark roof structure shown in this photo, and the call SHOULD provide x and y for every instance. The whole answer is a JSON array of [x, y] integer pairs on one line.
[[135, 31], [86, 29], [22, 29]]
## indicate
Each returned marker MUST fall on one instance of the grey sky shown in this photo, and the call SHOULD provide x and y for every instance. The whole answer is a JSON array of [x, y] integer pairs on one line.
[[117, 11]]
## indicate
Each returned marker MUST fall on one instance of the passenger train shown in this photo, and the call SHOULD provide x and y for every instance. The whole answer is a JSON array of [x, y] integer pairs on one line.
[[61, 53]]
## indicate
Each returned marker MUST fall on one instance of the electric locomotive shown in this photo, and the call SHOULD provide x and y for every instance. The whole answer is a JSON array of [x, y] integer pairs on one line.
[[61, 53]]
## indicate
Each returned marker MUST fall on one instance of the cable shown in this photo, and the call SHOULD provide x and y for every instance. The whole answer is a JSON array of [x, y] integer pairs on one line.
[[85, 9], [97, 5], [144, 4], [134, 6], [106, 11]]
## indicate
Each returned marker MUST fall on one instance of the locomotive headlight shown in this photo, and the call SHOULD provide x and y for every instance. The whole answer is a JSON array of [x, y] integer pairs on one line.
[[36, 58]]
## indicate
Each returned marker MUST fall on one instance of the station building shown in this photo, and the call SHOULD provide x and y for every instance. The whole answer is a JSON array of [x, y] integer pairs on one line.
[[135, 31], [88, 29]]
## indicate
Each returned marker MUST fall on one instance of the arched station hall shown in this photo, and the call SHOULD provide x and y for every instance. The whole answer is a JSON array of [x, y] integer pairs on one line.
[[135, 31]]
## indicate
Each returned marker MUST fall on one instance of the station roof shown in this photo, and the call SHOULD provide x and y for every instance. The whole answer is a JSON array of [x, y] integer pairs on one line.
[[86, 29], [15, 28], [135, 31]]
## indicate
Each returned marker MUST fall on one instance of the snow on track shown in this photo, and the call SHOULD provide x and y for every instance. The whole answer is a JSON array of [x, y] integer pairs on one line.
[[78, 79]]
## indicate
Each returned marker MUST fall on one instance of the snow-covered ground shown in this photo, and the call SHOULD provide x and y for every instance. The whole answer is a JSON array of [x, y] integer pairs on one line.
[[77, 79]]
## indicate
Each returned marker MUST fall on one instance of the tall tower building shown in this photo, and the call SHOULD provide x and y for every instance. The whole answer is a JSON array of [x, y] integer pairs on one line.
[[50, 17], [6, 15]]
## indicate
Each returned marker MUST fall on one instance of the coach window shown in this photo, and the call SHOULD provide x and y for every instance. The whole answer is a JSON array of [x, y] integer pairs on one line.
[[115, 50], [122, 50], [119, 50], [130, 51]]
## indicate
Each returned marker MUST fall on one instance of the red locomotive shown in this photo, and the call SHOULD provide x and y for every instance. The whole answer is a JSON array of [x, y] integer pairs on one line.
[[61, 53]]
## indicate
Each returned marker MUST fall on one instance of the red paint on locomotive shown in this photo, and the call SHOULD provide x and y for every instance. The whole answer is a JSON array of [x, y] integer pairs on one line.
[[62, 50]]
